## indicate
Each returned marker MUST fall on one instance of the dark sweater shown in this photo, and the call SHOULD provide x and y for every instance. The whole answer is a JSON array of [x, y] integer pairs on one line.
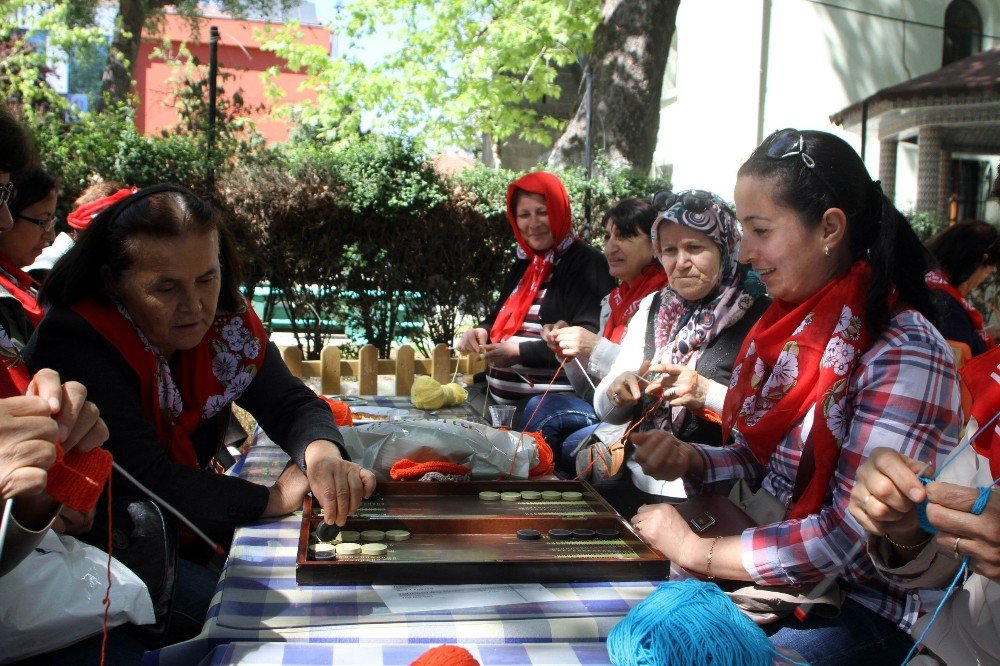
[[956, 324], [287, 410], [579, 280]]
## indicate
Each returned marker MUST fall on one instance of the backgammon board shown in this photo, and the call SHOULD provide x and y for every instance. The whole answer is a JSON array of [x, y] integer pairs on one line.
[[417, 533]]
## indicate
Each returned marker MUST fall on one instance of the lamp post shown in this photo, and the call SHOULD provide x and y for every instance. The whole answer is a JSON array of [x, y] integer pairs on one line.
[[213, 72]]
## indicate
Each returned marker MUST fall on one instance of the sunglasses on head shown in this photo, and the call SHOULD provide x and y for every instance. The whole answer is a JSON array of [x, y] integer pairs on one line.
[[7, 192], [790, 143], [696, 201]]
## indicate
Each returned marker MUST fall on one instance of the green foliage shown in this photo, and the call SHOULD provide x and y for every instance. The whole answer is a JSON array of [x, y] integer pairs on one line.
[[462, 67], [927, 224]]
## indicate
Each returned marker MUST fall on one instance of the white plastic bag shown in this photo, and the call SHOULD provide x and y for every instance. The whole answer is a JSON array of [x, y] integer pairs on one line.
[[488, 452], [53, 598]]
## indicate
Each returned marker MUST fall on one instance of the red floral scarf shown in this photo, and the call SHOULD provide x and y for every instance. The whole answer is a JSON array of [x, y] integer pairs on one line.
[[795, 357], [938, 280], [982, 376], [22, 287], [213, 374], [625, 299], [515, 308]]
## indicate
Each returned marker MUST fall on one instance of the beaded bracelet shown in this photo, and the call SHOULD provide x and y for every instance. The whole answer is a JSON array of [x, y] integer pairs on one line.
[[711, 552]]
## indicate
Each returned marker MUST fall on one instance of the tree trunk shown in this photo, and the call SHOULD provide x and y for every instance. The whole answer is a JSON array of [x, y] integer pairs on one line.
[[116, 82], [631, 44]]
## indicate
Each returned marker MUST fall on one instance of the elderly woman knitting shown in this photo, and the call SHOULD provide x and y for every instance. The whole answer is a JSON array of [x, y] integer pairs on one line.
[[843, 361], [691, 329]]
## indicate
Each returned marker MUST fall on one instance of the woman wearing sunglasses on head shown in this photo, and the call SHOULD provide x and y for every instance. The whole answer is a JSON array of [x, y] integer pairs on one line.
[[843, 361], [690, 330], [33, 210]]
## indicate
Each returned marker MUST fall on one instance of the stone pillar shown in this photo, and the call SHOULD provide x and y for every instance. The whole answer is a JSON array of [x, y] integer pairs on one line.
[[887, 166], [928, 169], [944, 184]]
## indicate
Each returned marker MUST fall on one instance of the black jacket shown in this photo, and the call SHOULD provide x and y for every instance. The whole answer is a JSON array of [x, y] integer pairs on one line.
[[579, 280], [287, 410]]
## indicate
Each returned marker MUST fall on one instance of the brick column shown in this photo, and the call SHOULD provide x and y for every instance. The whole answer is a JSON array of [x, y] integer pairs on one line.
[[928, 169], [887, 166]]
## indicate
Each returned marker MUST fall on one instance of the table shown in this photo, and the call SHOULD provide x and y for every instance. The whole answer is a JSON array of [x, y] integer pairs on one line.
[[257, 602]]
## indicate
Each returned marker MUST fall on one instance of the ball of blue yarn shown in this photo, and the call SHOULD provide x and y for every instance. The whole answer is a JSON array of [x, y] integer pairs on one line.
[[688, 622]]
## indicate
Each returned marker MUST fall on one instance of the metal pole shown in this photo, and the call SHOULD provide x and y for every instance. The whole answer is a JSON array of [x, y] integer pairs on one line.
[[213, 73], [588, 148]]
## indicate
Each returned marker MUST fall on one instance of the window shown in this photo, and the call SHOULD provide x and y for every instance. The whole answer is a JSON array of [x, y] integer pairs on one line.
[[963, 31]]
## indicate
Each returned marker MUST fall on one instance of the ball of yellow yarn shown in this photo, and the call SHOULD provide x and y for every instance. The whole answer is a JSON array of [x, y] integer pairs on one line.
[[428, 393]]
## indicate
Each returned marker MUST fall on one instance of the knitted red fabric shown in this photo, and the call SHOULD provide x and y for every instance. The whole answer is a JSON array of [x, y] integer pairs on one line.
[[446, 655], [409, 469], [341, 412], [76, 479]]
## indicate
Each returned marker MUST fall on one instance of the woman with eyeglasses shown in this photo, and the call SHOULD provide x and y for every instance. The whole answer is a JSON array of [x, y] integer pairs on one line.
[[843, 361], [690, 330], [33, 211], [967, 253]]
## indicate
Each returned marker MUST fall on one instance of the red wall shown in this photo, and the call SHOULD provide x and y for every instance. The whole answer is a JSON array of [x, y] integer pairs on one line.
[[156, 113]]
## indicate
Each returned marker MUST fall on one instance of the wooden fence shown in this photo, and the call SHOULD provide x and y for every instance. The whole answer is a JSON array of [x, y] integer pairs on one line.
[[368, 366]]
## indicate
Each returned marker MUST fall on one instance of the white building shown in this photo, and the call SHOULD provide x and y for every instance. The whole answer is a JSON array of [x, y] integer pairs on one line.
[[740, 69]]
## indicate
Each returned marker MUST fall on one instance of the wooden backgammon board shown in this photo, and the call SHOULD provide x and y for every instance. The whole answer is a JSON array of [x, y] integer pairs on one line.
[[450, 533]]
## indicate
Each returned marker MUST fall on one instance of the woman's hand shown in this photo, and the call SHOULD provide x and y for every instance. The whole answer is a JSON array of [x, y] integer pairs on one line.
[[73, 522], [683, 386], [473, 340], [337, 484], [287, 492], [624, 391], [662, 527], [884, 497], [962, 533], [28, 437], [663, 456], [504, 355], [572, 341]]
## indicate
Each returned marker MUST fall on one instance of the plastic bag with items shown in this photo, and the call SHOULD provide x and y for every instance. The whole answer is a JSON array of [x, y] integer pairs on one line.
[[487, 452], [54, 597]]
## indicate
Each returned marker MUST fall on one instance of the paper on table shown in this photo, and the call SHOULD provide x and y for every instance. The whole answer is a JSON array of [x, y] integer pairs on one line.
[[417, 598]]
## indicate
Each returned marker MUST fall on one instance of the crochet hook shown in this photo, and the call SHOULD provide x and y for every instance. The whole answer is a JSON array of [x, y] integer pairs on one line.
[[166, 505]]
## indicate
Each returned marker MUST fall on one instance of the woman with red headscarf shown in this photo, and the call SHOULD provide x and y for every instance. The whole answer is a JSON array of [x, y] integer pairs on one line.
[[557, 276]]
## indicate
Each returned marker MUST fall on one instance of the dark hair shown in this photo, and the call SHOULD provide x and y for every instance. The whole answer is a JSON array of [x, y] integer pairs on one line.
[[104, 188], [16, 149], [32, 186], [964, 247], [160, 211], [631, 217], [876, 230]]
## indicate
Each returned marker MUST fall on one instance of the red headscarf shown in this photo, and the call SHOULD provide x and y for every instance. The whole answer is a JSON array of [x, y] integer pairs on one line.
[[625, 298], [81, 217], [515, 309], [22, 287], [795, 358], [982, 376], [209, 376]]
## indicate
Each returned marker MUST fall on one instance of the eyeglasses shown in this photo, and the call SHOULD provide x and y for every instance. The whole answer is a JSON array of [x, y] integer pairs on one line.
[[7, 192], [696, 201], [47, 225], [790, 143]]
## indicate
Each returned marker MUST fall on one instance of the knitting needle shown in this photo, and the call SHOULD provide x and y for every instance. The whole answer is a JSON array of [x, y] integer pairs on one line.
[[584, 371], [216, 547]]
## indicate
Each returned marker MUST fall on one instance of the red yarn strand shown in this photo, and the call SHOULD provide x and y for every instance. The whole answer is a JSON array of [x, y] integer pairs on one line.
[[513, 460], [107, 592]]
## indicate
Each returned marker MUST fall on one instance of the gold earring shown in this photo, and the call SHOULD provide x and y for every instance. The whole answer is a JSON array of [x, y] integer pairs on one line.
[[826, 250]]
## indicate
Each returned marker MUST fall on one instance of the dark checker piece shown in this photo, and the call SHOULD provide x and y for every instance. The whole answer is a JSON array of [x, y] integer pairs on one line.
[[584, 534], [529, 535], [327, 532], [561, 534], [606, 533]]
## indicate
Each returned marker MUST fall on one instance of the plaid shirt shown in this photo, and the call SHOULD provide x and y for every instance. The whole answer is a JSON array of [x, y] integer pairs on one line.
[[904, 394]]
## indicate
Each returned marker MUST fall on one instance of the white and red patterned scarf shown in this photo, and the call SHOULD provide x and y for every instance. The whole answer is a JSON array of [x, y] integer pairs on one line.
[[795, 357]]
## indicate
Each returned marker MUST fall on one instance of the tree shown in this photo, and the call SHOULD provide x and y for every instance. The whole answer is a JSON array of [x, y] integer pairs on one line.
[[631, 44], [463, 68], [135, 16]]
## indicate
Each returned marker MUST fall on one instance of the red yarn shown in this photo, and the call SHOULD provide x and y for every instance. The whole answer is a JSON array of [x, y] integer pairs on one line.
[[410, 469], [546, 461], [341, 412], [446, 655], [107, 592], [76, 478]]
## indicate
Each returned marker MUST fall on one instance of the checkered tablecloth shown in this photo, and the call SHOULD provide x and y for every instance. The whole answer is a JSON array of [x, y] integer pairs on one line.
[[258, 600]]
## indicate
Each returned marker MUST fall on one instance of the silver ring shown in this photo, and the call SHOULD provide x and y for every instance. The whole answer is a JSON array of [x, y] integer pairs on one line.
[[671, 392], [613, 397], [638, 527], [864, 502], [955, 547]]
